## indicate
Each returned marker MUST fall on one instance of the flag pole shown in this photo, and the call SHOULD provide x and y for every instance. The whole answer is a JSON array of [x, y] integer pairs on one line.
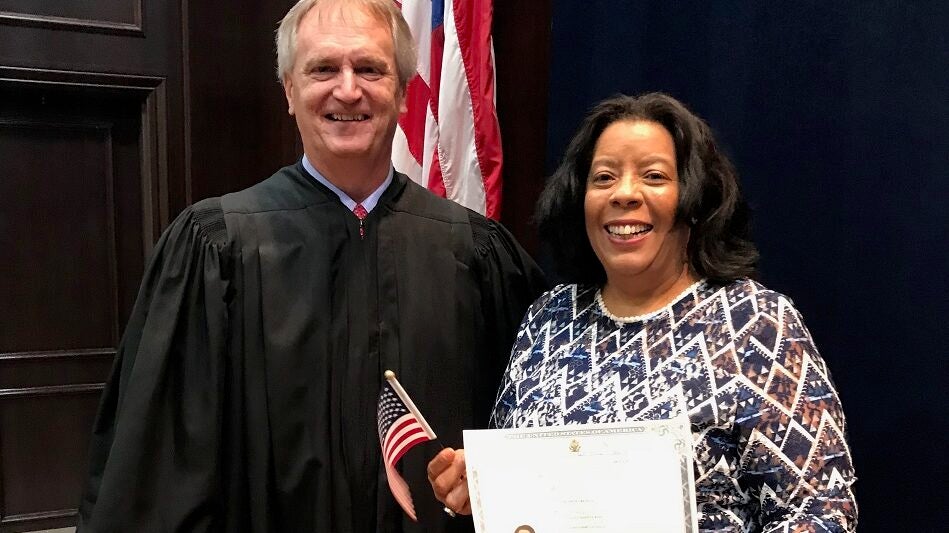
[[390, 377]]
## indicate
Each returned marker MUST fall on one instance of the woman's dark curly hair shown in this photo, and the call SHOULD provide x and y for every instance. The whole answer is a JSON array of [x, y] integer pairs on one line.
[[710, 201]]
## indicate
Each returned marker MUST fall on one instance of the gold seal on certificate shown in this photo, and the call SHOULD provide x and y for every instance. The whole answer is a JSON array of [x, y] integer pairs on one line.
[[606, 478]]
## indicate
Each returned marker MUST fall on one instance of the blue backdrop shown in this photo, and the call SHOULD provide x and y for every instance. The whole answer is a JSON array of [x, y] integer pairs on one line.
[[836, 115]]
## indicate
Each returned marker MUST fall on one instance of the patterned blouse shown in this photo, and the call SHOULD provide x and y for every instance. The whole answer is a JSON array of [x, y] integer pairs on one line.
[[768, 429]]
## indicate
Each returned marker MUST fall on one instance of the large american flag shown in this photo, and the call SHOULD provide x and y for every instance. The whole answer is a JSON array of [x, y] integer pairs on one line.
[[449, 140], [399, 431]]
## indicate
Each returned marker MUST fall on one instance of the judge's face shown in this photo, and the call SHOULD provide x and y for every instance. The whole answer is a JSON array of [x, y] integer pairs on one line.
[[343, 88], [630, 204]]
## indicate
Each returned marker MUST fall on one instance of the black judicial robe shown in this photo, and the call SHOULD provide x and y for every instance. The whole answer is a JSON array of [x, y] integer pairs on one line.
[[244, 392]]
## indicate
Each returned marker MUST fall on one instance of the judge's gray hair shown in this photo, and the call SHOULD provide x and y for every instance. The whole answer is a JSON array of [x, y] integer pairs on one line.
[[384, 11]]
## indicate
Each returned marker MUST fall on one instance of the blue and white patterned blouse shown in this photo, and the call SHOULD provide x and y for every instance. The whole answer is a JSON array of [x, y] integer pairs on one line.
[[768, 428]]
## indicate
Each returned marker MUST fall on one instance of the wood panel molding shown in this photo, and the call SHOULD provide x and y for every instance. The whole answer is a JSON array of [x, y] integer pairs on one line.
[[51, 518], [129, 82], [27, 371], [32, 520], [53, 390], [81, 82], [132, 25], [154, 137], [101, 130], [57, 354]]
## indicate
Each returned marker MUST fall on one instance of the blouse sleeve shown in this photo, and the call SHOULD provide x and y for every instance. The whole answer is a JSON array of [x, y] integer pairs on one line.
[[519, 366], [154, 460], [795, 461]]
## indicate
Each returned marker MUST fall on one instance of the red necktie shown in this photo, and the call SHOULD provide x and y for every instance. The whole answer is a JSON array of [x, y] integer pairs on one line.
[[360, 213]]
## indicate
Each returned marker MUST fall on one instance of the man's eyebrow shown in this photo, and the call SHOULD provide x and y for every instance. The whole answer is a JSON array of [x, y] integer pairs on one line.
[[316, 61], [323, 56], [369, 58]]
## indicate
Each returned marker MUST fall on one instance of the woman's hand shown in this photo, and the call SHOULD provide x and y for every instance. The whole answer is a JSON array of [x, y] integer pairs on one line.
[[446, 473]]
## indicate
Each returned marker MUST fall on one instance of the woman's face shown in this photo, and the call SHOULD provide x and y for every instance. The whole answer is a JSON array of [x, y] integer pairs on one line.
[[632, 192]]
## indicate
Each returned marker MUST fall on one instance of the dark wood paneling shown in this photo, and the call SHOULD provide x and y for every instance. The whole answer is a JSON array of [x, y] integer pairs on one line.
[[55, 268], [522, 52], [92, 144], [155, 52], [38, 460], [27, 370], [117, 16], [80, 205], [90, 140], [240, 130]]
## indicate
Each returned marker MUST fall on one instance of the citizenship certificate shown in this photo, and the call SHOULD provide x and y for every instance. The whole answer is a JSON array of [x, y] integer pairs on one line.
[[602, 478]]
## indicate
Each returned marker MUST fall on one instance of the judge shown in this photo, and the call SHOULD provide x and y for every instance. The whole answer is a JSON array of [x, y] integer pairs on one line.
[[244, 392]]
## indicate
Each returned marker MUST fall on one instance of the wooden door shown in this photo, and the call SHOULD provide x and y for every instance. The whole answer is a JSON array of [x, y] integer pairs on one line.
[[91, 167]]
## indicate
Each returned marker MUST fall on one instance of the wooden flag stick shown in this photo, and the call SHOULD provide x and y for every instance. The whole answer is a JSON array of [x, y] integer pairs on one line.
[[390, 377]]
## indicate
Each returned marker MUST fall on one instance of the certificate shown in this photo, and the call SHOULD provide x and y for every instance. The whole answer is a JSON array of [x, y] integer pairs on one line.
[[603, 478]]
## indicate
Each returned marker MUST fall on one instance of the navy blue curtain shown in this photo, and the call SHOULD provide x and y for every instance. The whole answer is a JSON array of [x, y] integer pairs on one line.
[[837, 117]]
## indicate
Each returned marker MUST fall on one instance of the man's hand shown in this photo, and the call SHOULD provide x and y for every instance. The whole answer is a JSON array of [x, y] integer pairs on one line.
[[446, 473]]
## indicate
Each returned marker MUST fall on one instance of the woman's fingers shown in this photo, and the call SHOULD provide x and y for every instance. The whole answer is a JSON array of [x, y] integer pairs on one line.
[[446, 473], [458, 499], [440, 462], [442, 473]]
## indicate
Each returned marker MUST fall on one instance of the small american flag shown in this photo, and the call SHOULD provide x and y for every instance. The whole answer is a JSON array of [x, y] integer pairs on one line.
[[401, 427]]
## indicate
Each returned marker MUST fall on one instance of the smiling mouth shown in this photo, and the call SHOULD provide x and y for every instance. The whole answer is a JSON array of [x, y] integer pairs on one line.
[[338, 117], [628, 231]]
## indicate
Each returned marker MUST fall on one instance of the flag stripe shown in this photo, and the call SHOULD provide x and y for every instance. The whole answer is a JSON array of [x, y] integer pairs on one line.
[[461, 172], [407, 445], [418, 15], [457, 153], [403, 159], [404, 429], [417, 95], [473, 20], [400, 491]]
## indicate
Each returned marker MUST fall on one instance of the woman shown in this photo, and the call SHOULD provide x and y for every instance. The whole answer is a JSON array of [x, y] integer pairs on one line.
[[646, 219]]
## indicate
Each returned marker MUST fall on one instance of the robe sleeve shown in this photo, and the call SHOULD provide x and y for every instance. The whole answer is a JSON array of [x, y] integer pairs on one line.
[[510, 282], [796, 463], [154, 453]]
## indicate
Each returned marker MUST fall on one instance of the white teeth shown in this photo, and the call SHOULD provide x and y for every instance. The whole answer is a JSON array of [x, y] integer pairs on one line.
[[628, 229], [348, 118]]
